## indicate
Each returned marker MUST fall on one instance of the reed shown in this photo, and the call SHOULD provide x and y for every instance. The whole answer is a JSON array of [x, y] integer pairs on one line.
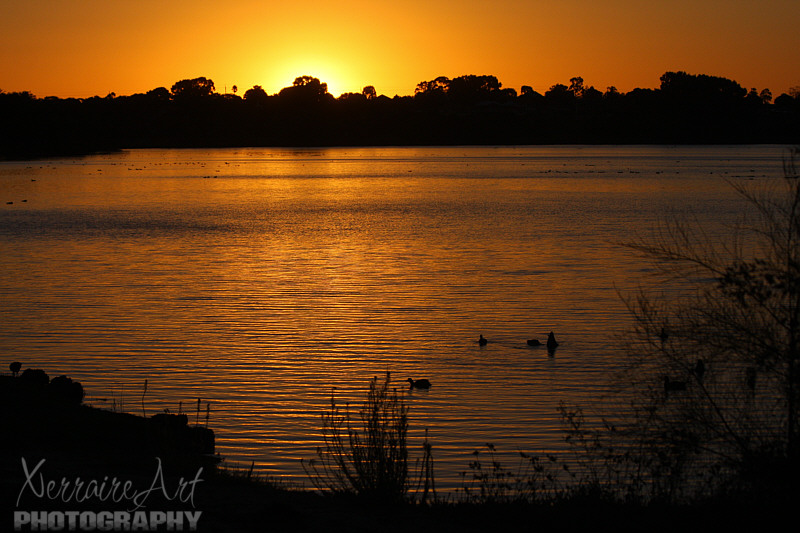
[[370, 462], [144, 392]]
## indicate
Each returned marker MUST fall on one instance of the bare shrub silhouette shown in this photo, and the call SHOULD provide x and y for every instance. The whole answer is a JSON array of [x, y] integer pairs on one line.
[[535, 478], [372, 461], [712, 378]]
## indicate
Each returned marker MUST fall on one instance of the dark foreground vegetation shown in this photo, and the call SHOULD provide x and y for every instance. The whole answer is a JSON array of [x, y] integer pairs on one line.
[[470, 109], [365, 476]]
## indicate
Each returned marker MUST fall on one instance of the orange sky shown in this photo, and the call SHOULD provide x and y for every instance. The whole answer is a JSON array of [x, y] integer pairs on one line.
[[68, 48]]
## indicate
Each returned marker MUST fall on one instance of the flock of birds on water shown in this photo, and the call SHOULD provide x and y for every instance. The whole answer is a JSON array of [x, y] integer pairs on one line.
[[422, 384], [425, 384], [670, 385], [551, 344]]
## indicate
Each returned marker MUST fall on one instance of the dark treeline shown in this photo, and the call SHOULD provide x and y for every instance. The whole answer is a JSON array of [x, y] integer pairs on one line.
[[469, 109]]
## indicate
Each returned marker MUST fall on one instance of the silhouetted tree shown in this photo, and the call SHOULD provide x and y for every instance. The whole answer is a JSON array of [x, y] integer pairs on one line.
[[256, 95], [576, 86], [194, 88], [508, 93], [369, 92], [591, 94], [612, 93], [161, 94], [559, 94], [437, 86], [752, 98], [305, 90], [733, 341], [472, 88], [20, 96], [529, 96], [352, 97], [686, 109], [784, 101], [700, 89]]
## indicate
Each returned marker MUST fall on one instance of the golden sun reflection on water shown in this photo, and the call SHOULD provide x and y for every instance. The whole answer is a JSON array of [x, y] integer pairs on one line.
[[262, 281]]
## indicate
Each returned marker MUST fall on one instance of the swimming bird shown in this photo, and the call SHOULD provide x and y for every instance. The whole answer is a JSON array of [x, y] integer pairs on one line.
[[534, 342], [482, 341], [14, 367], [673, 386], [418, 383], [551, 342]]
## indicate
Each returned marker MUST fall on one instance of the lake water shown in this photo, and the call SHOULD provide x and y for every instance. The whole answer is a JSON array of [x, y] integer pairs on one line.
[[260, 280]]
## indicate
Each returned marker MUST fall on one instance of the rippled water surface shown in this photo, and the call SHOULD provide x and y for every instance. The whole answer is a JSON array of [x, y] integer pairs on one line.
[[261, 280]]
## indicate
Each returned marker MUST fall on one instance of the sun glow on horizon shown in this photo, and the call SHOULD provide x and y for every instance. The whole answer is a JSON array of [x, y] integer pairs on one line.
[[94, 47], [327, 70]]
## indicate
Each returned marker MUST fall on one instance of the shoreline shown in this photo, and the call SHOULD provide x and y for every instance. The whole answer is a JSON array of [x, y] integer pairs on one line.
[[80, 459], [89, 152]]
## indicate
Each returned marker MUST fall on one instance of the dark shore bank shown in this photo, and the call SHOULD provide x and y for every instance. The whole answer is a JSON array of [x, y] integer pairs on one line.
[[50, 436], [42, 415]]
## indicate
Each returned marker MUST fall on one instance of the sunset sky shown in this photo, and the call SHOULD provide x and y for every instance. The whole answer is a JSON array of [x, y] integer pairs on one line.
[[67, 48]]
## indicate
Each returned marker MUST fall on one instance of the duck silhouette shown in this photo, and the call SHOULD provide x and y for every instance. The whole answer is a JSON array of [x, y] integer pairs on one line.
[[533, 342], [482, 341], [418, 383], [552, 344]]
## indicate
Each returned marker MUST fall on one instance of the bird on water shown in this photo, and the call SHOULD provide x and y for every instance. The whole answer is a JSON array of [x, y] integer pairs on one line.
[[419, 383], [551, 342], [482, 341]]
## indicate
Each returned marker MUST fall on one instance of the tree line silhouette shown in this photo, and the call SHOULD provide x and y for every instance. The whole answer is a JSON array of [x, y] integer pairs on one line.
[[471, 109]]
